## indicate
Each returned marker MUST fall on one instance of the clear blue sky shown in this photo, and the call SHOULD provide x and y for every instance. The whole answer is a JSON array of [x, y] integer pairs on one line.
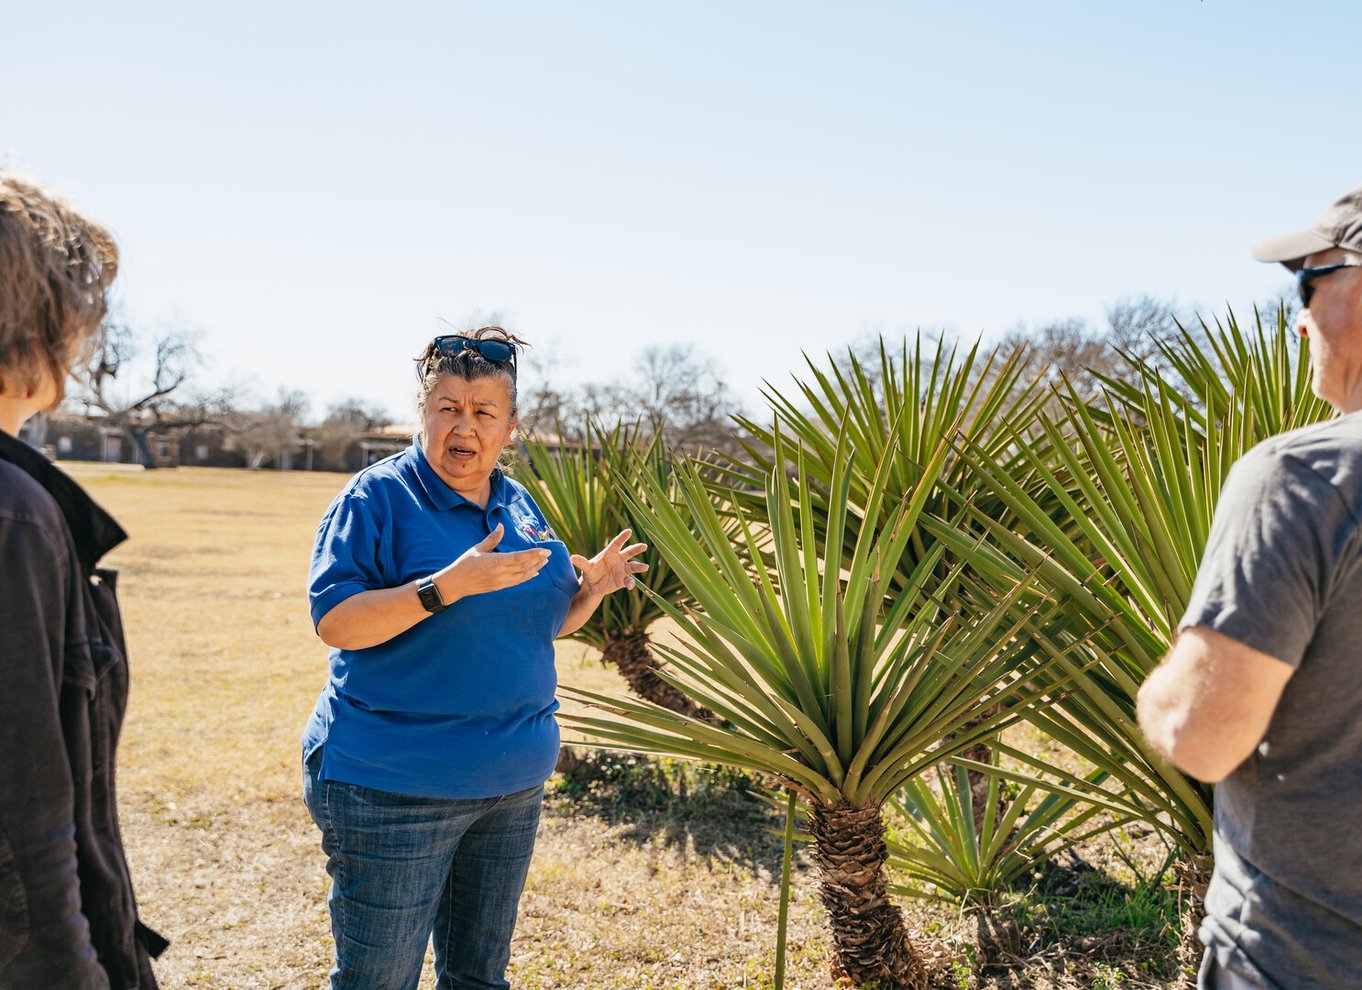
[[314, 184]]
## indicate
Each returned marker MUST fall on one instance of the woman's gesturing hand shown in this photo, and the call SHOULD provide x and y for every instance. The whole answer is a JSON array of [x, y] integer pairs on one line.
[[613, 568], [481, 569], [376, 616]]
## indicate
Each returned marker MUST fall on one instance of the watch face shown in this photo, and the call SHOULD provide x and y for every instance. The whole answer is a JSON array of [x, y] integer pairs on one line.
[[430, 596]]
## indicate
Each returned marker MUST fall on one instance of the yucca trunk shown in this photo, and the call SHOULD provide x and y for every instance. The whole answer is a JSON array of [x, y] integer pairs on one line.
[[980, 752], [997, 939], [870, 940], [1193, 876], [570, 760], [633, 657], [631, 654], [978, 788]]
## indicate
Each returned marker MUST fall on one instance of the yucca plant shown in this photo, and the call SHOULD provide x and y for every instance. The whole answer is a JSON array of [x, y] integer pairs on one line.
[[1117, 533], [894, 416], [944, 858], [1227, 368], [823, 682], [896, 413], [574, 488]]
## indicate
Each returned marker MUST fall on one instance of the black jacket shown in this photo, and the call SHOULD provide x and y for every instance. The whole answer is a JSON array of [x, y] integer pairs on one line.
[[68, 918]]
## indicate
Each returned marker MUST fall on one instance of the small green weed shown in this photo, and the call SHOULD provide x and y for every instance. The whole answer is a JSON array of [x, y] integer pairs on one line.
[[1099, 917], [1088, 903], [1106, 977]]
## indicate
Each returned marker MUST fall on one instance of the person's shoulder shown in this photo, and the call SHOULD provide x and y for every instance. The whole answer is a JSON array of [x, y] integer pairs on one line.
[[515, 492], [1323, 459], [24, 500], [514, 489], [1332, 448]]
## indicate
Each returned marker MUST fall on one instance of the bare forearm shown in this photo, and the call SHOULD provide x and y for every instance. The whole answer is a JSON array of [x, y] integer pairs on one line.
[[377, 615], [1208, 705], [584, 605], [371, 617], [1170, 720]]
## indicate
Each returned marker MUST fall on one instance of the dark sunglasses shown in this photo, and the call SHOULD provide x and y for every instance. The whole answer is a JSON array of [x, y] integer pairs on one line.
[[496, 351], [1306, 278]]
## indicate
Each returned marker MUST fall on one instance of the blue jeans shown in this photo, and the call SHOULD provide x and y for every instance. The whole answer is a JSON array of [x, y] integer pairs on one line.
[[407, 870]]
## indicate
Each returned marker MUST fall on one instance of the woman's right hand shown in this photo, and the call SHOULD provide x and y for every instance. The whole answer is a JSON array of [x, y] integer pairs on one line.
[[481, 569]]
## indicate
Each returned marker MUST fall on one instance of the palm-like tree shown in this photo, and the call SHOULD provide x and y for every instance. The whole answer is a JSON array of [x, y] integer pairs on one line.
[[823, 681], [894, 416], [1117, 530], [574, 488], [896, 413], [948, 860], [1226, 371]]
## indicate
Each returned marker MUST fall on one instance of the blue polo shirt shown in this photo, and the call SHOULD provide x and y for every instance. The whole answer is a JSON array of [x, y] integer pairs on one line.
[[461, 704]]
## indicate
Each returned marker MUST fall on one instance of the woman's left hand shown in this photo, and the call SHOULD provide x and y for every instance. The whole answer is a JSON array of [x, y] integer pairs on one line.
[[613, 568]]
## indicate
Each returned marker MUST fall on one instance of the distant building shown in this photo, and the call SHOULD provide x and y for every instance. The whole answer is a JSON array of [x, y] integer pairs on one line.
[[383, 442], [74, 437]]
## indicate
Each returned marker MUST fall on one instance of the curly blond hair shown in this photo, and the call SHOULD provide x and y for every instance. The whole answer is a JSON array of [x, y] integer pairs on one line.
[[55, 270]]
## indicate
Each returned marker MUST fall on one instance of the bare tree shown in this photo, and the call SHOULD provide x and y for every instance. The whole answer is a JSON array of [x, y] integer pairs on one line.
[[544, 408], [1074, 350], [346, 421], [267, 434], [683, 396], [1068, 348], [159, 402], [868, 350], [1135, 323], [678, 393]]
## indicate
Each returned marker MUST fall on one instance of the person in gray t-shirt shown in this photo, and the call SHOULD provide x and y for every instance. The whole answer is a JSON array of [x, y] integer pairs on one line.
[[1262, 691]]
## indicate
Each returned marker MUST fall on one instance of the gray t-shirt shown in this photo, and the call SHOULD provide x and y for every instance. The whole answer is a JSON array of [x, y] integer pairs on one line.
[[1282, 573]]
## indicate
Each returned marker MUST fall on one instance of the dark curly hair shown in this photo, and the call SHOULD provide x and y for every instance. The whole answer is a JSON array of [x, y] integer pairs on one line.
[[432, 365]]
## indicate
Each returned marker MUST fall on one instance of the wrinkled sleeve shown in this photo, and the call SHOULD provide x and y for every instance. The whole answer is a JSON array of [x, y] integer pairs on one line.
[[1272, 556], [348, 555], [44, 937]]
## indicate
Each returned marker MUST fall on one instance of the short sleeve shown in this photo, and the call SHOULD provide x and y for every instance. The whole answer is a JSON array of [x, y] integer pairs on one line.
[[348, 556], [1274, 549]]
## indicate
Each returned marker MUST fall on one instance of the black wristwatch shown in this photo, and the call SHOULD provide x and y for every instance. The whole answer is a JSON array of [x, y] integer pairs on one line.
[[429, 595]]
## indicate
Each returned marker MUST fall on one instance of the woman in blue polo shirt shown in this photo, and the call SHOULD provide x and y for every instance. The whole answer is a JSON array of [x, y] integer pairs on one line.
[[440, 588]]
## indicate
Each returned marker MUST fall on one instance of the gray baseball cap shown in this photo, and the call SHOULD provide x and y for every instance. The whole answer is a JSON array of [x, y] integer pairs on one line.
[[1339, 226]]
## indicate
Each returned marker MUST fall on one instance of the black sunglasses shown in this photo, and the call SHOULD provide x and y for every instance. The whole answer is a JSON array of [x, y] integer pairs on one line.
[[1306, 278], [490, 349]]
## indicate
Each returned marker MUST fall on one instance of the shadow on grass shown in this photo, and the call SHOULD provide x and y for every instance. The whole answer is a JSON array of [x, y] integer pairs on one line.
[[1074, 920], [1067, 924], [713, 810]]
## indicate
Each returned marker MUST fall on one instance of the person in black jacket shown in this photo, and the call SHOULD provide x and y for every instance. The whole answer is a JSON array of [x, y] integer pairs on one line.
[[68, 919]]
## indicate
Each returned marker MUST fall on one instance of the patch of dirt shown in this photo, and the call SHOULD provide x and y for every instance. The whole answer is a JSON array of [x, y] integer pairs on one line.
[[241, 893]]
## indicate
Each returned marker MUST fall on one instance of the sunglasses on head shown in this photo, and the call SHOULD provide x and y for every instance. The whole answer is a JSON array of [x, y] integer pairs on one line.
[[489, 349], [1306, 278]]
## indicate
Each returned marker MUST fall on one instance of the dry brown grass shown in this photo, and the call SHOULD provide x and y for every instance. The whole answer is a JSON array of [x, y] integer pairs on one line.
[[225, 670], [227, 864]]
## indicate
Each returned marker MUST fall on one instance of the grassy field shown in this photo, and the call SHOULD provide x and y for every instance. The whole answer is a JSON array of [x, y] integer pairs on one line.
[[652, 877]]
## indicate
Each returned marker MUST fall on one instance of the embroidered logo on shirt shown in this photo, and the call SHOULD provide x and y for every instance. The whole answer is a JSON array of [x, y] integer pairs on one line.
[[538, 535]]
